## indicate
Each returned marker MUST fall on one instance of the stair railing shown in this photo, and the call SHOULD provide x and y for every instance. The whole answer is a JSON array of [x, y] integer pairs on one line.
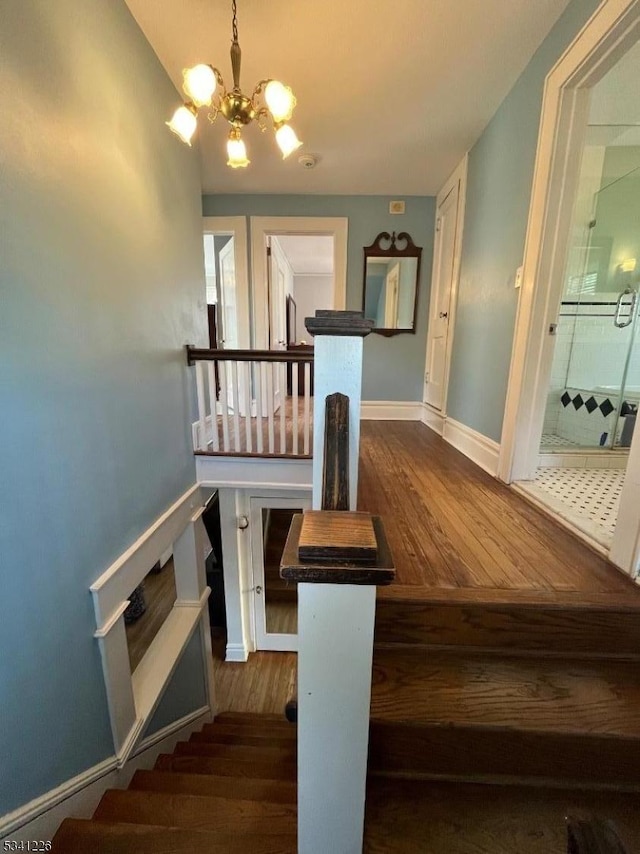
[[253, 402], [337, 556]]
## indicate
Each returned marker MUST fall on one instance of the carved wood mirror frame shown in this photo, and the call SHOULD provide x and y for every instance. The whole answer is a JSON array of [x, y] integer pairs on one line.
[[385, 246]]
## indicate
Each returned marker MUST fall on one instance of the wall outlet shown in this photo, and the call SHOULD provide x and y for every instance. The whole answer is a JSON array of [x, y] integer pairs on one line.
[[518, 281], [396, 207]]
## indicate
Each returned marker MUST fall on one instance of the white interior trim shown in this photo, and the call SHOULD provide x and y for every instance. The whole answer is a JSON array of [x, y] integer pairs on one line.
[[236, 225], [433, 418], [458, 176], [611, 30], [261, 228], [246, 472], [115, 584], [132, 698], [482, 450], [79, 796], [391, 410]]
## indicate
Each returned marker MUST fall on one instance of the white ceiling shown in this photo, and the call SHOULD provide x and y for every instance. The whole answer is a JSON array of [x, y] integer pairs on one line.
[[390, 95], [308, 254]]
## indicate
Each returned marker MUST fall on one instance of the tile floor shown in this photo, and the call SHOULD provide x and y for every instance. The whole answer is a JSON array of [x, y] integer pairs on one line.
[[586, 498]]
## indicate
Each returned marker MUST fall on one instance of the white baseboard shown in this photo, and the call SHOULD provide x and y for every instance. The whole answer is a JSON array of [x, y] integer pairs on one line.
[[78, 797], [236, 652], [482, 450], [390, 410], [432, 418]]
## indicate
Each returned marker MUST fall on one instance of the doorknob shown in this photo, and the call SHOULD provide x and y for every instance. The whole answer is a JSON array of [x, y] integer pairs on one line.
[[444, 314], [258, 589]]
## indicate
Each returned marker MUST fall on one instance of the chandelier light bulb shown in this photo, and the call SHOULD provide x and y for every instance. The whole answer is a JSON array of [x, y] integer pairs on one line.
[[184, 123], [287, 140], [280, 100], [199, 83], [236, 151]]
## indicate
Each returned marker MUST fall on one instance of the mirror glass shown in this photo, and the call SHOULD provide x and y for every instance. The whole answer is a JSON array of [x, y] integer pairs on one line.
[[390, 284]]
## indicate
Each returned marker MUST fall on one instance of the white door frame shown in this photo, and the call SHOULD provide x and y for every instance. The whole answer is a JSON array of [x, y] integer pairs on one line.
[[263, 640], [237, 226], [261, 228], [459, 177], [611, 31]]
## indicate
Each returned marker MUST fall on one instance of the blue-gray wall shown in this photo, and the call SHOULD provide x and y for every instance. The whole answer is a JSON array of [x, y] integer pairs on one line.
[[393, 367], [101, 285], [498, 194]]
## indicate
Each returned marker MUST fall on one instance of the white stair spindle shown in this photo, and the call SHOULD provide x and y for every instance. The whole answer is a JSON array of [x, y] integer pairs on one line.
[[270, 403], [246, 384], [258, 381], [307, 400], [294, 404], [202, 412], [224, 404], [282, 382], [236, 405]]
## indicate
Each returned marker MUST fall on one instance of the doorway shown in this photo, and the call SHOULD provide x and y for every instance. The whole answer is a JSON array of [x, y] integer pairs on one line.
[[446, 264], [273, 272], [275, 602], [575, 375]]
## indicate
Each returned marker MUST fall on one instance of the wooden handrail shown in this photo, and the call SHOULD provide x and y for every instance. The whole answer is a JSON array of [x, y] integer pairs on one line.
[[198, 354]]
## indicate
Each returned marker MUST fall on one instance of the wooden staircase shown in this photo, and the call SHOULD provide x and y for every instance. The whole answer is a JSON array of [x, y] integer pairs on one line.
[[231, 789], [495, 718]]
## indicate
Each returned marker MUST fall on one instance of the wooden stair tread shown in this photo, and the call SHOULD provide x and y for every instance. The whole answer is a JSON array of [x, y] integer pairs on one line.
[[234, 752], [227, 767], [219, 736], [468, 688], [627, 600], [572, 631], [271, 791], [197, 812], [79, 836], [417, 817]]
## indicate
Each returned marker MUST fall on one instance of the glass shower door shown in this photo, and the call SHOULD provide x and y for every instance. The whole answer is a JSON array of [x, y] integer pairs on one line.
[[595, 384]]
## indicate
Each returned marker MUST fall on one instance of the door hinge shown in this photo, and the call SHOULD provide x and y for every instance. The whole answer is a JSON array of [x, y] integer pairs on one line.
[[438, 223]]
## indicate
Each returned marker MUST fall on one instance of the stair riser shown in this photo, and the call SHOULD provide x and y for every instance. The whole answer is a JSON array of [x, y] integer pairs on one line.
[[226, 767], [209, 785], [213, 737], [511, 627], [235, 752], [477, 752]]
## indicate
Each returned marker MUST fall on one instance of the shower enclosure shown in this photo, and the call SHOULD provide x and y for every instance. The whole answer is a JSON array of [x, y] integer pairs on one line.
[[594, 390]]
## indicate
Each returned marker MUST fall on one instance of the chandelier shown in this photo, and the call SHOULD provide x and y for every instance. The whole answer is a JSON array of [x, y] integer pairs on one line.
[[204, 87]]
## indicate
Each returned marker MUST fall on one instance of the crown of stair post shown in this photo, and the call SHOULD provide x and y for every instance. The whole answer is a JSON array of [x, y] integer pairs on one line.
[[341, 549]]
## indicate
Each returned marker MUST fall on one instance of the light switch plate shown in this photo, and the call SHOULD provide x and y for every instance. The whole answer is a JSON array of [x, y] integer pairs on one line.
[[518, 280]]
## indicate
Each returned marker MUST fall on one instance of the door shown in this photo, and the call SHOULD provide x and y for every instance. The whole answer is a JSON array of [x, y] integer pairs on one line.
[[438, 350], [227, 297], [275, 602]]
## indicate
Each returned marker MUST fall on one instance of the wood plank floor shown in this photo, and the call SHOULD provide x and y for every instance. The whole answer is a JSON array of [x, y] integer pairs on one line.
[[159, 594], [453, 528]]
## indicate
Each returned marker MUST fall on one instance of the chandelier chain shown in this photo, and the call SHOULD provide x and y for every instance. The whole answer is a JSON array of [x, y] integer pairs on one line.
[[235, 20]]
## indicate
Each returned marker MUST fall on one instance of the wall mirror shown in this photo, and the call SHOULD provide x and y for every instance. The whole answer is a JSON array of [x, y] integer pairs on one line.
[[391, 274]]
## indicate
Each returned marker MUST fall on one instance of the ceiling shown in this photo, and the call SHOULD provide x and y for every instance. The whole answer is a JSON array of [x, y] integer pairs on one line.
[[308, 254], [390, 96]]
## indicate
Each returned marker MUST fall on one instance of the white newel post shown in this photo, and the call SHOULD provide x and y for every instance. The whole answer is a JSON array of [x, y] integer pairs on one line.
[[335, 632]]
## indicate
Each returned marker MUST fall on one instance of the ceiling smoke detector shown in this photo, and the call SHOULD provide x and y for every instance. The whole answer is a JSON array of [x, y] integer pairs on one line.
[[307, 161]]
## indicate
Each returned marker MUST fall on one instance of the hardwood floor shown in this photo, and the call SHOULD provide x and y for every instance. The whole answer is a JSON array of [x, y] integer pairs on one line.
[[264, 683], [159, 594], [453, 527]]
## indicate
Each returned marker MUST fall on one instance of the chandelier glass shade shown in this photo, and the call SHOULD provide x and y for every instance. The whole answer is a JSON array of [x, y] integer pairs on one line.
[[204, 87]]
